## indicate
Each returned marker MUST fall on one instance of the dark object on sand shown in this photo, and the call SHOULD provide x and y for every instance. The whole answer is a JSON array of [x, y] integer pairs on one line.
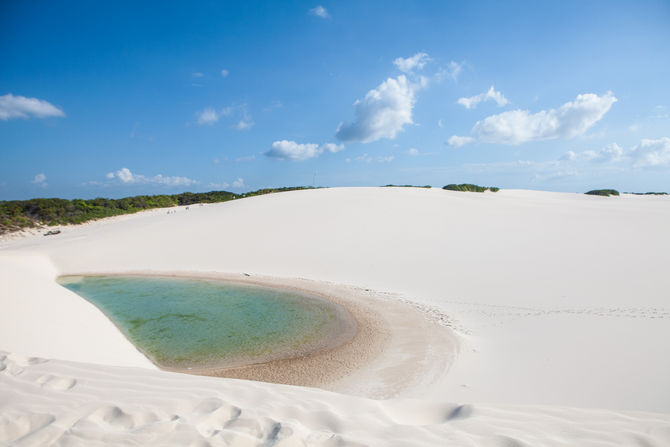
[[50, 232]]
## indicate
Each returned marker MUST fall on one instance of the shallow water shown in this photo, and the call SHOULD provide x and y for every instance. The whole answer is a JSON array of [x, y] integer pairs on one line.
[[197, 323]]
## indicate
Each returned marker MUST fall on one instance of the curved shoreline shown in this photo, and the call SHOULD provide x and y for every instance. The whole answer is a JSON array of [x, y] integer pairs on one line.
[[342, 330], [325, 367]]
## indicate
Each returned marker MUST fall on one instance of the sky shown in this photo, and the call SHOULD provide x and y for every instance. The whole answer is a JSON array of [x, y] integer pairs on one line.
[[112, 99]]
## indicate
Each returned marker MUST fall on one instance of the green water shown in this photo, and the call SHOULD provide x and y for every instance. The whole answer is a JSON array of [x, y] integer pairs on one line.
[[194, 323]]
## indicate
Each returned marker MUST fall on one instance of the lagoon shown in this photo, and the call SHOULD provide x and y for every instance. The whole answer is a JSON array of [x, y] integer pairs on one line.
[[199, 324]]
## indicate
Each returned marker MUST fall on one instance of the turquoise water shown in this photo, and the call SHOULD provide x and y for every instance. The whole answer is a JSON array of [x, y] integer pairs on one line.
[[195, 323]]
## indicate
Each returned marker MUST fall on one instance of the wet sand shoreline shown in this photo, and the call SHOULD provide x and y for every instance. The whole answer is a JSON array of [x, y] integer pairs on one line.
[[363, 336]]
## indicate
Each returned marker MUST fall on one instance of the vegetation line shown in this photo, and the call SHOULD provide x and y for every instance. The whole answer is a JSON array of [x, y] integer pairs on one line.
[[16, 215], [603, 192], [470, 187]]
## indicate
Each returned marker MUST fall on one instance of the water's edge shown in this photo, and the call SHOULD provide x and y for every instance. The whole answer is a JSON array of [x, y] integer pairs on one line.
[[343, 332]]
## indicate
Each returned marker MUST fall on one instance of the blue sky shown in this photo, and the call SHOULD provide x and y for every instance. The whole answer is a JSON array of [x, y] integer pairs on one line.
[[125, 98]]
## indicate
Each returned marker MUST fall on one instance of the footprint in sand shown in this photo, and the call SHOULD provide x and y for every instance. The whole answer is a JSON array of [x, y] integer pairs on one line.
[[14, 365], [414, 412], [113, 417], [15, 426], [56, 383]]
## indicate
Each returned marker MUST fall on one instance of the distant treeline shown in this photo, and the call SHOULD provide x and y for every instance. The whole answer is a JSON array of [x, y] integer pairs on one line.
[[470, 187], [19, 214]]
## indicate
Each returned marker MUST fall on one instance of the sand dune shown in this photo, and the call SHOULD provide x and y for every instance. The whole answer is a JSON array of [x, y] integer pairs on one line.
[[557, 301], [114, 405]]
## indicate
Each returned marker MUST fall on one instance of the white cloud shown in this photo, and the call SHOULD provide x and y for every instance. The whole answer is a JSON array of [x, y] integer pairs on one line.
[[458, 141], [276, 104], [125, 176], [440, 124], [239, 183], [648, 153], [290, 150], [319, 11], [247, 158], [224, 73], [569, 156], [245, 122], [218, 185], [413, 151], [491, 94], [568, 121], [610, 153], [652, 153], [197, 74], [452, 71], [40, 180], [365, 158], [208, 116], [409, 64], [21, 107], [382, 113]]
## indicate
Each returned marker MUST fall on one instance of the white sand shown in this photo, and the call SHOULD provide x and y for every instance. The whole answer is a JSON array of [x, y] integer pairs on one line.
[[558, 301]]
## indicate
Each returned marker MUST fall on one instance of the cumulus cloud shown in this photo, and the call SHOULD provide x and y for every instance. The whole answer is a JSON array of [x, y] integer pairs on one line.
[[290, 150], [319, 11], [382, 113], [239, 183], [245, 122], [569, 120], [413, 151], [40, 180], [125, 176], [610, 153], [21, 107], [224, 73], [646, 154], [492, 94], [451, 71], [208, 116], [458, 141], [651, 153], [409, 64]]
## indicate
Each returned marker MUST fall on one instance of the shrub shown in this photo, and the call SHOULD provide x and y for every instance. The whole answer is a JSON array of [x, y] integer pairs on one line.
[[603, 192], [470, 187]]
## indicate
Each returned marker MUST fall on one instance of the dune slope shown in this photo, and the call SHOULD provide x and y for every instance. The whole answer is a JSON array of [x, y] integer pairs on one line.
[[556, 299]]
